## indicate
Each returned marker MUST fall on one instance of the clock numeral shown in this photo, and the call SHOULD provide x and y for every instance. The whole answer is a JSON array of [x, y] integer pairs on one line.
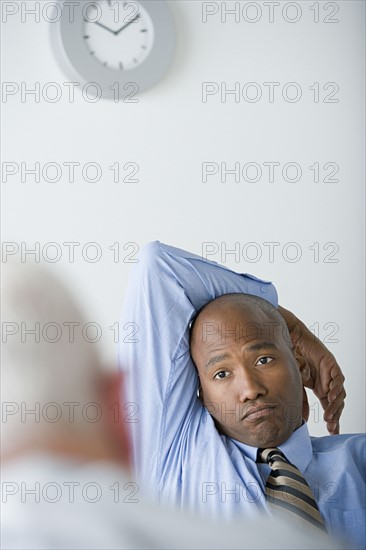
[[143, 30], [121, 66], [86, 36]]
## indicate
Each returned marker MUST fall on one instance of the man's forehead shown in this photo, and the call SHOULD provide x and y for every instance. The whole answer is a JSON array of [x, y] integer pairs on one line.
[[232, 309], [237, 328]]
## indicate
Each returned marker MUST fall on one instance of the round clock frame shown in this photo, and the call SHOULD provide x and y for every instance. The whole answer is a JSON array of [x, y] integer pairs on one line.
[[67, 38]]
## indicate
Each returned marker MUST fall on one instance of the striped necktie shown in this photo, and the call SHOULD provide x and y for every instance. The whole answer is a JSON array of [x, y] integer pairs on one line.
[[286, 488]]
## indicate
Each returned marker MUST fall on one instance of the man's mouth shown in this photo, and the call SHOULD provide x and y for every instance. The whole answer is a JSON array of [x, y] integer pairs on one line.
[[255, 412]]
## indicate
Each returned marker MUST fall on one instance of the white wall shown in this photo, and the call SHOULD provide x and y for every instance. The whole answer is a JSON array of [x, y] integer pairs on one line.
[[170, 132]]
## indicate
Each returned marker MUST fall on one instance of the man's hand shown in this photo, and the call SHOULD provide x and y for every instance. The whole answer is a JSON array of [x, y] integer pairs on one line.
[[325, 376]]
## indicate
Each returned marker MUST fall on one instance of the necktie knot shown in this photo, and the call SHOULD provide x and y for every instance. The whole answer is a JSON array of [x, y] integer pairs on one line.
[[271, 455]]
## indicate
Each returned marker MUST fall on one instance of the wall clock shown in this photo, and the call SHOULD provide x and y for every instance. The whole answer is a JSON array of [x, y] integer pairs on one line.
[[118, 45]]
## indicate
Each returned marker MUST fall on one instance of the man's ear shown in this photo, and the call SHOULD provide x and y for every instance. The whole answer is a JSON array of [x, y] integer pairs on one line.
[[199, 393], [199, 390]]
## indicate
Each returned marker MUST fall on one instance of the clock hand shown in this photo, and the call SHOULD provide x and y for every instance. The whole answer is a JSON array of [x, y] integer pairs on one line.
[[129, 23], [104, 27]]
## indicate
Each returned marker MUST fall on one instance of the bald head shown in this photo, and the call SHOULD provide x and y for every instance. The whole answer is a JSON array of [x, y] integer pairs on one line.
[[221, 309]]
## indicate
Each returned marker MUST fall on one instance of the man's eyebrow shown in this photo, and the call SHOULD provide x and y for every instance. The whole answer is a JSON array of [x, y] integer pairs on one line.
[[216, 359], [259, 346]]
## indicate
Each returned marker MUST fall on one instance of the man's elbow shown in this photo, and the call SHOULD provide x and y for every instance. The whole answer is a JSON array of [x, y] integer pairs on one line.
[[151, 257]]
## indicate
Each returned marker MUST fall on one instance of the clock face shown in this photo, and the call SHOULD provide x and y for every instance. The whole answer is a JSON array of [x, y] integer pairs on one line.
[[117, 45], [118, 34]]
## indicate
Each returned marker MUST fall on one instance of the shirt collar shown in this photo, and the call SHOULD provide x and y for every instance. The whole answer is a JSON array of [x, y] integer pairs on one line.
[[297, 448]]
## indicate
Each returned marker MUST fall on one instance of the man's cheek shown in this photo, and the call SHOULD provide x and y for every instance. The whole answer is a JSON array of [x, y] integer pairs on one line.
[[213, 408], [226, 414]]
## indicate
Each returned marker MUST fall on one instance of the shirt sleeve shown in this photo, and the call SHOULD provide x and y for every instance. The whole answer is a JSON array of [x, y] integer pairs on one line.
[[167, 287]]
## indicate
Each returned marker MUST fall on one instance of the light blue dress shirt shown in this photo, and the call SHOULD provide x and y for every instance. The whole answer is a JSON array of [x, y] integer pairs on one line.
[[178, 452]]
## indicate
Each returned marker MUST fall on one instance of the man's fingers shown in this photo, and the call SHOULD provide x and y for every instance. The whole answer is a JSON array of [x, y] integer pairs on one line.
[[332, 381], [333, 428], [325, 379], [336, 375], [332, 416], [334, 410], [336, 371], [336, 392]]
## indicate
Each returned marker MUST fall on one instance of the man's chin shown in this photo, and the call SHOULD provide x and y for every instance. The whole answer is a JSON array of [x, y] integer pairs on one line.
[[267, 435], [265, 438]]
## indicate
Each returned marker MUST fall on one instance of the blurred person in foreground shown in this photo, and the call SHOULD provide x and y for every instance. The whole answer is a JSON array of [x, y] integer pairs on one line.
[[193, 447], [66, 478]]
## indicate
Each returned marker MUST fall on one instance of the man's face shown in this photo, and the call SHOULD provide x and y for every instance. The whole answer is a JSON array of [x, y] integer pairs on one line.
[[250, 379]]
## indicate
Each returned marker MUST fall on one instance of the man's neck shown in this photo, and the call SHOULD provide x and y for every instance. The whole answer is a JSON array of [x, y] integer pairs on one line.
[[68, 448]]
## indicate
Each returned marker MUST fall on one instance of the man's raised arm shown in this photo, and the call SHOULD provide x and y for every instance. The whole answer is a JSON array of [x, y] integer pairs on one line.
[[167, 287]]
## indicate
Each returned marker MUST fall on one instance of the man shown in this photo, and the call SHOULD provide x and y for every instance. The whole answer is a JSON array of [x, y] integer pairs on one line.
[[66, 482], [179, 452], [246, 362]]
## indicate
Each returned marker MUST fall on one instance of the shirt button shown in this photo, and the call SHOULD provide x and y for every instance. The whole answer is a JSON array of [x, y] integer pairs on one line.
[[264, 288]]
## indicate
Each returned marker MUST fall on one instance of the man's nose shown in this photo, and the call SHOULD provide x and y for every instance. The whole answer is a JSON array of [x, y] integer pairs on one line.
[[250, 386]]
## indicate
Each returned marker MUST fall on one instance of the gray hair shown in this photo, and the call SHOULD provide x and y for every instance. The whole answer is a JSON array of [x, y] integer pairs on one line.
[[46, 366]]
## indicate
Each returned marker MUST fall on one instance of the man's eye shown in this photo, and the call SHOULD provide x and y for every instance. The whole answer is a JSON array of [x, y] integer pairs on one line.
[[220, 375], [264, 360]]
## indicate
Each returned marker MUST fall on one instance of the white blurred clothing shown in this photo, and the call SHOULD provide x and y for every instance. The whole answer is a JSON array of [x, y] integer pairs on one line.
[[50, 502]]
